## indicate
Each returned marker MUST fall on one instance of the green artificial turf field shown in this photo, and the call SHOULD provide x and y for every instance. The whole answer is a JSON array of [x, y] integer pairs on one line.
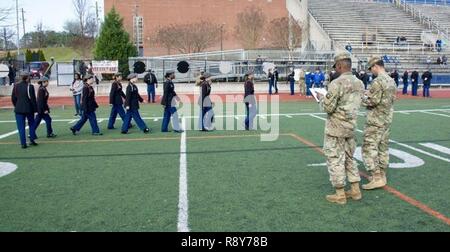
[[235, 182]]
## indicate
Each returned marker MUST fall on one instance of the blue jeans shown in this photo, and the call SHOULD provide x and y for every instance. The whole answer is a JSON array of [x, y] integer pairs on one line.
[[271, 84], [415, 86], [308, 91], [405, 87], [133, 114], [77, 100], [116, 109], [20, 120], [250, 116], [206, 120], [151, 91], [48, 122], [426, 90], [92, 117], [168, 113], [292, 87]]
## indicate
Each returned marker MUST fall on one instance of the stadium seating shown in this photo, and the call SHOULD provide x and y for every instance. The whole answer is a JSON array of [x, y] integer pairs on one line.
[[357, 22]]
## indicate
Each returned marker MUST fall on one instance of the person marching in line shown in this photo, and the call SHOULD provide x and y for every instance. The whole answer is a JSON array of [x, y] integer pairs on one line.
[[276, 79], [23, 98], [77, 90], [198, 83], [116, 96], [88, 106], [205, 103], [43, 110], [415, 82], [250, 101], [427, 76], [405, 82], [271, 78], [342, 103], [169, 101], [379, 101], [152, 84], [132, 100]]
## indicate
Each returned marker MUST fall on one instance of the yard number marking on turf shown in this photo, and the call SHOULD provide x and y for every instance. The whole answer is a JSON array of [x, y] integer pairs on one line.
[[183, 193], [431, 113], [437, 147], [7, 168]]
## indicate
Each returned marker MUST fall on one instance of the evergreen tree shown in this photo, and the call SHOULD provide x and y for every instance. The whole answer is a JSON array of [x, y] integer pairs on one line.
[[28, 55], [41, 55], [114, 42]]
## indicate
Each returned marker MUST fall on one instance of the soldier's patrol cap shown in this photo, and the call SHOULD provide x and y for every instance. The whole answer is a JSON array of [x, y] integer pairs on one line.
[[170, 72], [207, 75], [24, 73], [373, 61], [43, 79], [341, 56], [132, 76]]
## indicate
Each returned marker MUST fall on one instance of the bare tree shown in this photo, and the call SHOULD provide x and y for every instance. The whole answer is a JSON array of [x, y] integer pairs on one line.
[[188, 38], [84, 27], [283, 35], [81, 11], [250, 27], [6, 36], [40, 35], [4, 13]]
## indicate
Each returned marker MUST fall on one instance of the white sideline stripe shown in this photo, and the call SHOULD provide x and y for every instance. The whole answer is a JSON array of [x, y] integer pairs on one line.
[[288, 116], [237, 116], [183, 193], [404, 113], [437, 147], [100, 120], [72, 121], [431, 113], [401, 144], [156, 119], [263, 116], [11, 133]]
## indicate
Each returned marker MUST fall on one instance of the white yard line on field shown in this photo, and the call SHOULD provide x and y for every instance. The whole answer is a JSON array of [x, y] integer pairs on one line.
[[183, 190]]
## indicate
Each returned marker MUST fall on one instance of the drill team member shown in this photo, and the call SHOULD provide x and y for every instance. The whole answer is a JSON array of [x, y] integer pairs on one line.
[[415, 82], [23, 98], [152, 84], [88, 106], [250, 101], [342, 104], [43, 110], [116, 96], [379, 101], [169, 101], [205, 103], [132, 101]]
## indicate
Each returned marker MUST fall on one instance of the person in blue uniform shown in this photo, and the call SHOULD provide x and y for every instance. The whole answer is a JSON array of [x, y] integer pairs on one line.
[[319, 78], [426, 77], [132, 100], [23, 98], [271, 78], [43, 110], [395, 76], [206, 103], [116, 97], [250, 101], [152, 84], [405, 82], [291, 81], [309, 83], [415, 82], [169, 101], [88, 106]]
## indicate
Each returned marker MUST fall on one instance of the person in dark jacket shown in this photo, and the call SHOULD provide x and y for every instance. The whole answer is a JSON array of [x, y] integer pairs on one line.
[[291, 81], [426, 77], [415, 82], [23, 98], [250, 101], [395, 76], [11, 74], [364, 77], [405, 82], [132, 100], [169, 101], [206, 103], [116, 96], [152, 84], [89, 106], [43, 110], [276, 79]]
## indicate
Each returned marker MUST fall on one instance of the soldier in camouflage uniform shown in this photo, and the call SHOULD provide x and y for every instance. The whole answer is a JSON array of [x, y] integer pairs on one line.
[[379, 101], [302, 82], [342, 104]]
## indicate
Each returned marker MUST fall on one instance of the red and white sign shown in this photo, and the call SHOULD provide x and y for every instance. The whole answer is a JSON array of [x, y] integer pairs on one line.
[[105, 67]]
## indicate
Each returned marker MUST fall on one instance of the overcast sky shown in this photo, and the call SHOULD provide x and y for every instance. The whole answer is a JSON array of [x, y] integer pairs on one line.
[[52, 13]]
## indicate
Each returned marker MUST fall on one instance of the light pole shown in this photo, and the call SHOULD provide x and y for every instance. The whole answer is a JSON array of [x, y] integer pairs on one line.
[[221, 40]]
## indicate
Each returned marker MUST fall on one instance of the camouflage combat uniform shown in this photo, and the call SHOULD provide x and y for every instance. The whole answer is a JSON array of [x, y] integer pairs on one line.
[[342, 104], [302, 83], [380, 104]]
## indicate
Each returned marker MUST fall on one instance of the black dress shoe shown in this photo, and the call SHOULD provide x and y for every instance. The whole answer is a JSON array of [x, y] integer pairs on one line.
[[178, 131], [147, 131], [74, 132], [33, 143], [24, 146], [97, 134], [124, 132], [51, 136]]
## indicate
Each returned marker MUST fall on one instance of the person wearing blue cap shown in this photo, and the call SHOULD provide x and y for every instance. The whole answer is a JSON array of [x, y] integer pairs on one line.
[[132, 100], [23, 98], [89, 106], [43, 110], [169, 100]]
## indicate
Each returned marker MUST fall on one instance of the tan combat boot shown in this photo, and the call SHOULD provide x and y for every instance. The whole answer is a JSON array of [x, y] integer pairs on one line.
[[338, 198], [376, 182], [384, 177], [354, 192]]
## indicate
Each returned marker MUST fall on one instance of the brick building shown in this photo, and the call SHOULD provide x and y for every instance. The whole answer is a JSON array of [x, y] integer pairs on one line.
[[153, 14]]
